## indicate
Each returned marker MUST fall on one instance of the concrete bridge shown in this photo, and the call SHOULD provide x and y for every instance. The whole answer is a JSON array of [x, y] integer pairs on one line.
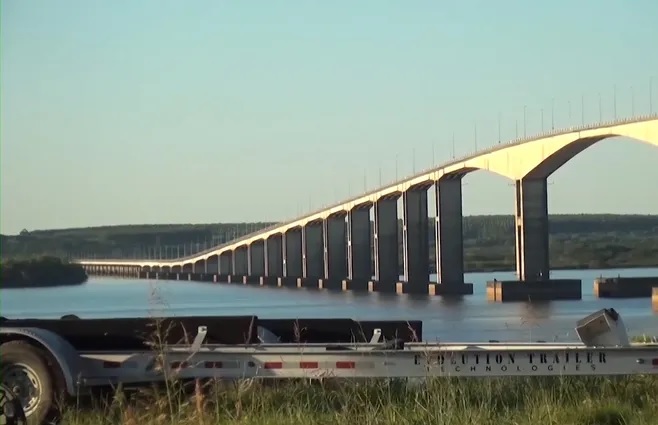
[[331, 248]]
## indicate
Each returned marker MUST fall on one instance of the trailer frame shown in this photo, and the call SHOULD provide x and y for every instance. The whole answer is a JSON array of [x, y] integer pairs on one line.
[[604, 350]]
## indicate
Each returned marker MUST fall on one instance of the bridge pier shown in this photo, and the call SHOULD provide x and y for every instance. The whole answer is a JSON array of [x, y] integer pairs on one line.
[[532, 251], [256, 261], [240, 264], [335, 252], [449, 238], [359, 249], [293, 268], [225, 266], [386, 246], [415, 241], [273, 260], [313, 256], [531, 224], [212, 265], [199, 267]]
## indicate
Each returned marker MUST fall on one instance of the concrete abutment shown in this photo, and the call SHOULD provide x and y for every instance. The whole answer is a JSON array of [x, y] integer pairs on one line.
[[625, 287], [546, 290]]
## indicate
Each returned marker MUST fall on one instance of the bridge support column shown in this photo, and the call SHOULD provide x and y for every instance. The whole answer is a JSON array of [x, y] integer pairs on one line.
[[449, 250], [531, 217], [225, 266], [387, 272], [256, 260], [359, 249], [199, 266], [240, 264], [335, 252], [313, 245], [532, 259], [415, 241], [273, 260], [212, 264], [293, 269]]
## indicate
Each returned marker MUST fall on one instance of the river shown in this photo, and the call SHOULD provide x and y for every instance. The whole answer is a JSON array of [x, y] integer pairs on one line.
[[471, 319]]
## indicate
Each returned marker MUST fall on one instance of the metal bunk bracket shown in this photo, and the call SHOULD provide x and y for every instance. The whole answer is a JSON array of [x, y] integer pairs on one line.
[[200, 337], [376, 336]]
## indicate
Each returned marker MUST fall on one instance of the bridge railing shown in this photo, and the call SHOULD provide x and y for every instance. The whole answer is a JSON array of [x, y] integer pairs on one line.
[[368, 193]]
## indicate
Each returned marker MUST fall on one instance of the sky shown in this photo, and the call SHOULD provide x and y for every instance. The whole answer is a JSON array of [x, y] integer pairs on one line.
[[135, 111]]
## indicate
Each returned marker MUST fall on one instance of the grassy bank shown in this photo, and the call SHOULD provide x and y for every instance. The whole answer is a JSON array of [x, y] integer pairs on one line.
[[518, 401]]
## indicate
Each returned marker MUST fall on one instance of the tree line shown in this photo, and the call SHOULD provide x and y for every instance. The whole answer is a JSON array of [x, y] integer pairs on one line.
[[584, 240]]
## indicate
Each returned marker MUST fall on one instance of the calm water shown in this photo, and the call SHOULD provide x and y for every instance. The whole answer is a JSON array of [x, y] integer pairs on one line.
[[471, 319]]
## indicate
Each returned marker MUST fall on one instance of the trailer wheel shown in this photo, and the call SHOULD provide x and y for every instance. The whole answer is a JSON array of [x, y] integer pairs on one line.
[[11, 411], [24, 370]]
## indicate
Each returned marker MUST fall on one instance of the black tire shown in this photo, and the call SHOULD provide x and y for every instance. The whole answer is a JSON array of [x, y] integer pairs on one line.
[[11, 411], [26, 357]]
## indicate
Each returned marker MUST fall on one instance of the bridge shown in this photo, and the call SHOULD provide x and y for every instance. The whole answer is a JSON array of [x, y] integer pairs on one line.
[[338, 247]]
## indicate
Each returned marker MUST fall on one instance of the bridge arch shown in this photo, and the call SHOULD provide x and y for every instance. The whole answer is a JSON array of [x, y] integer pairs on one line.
[[540, 157], [563, 155]]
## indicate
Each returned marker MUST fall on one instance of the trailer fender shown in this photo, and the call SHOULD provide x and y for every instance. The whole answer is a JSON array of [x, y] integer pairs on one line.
[[61, 352]]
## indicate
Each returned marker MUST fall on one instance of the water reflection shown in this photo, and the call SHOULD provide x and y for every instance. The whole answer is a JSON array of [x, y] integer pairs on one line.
[[535, 313]]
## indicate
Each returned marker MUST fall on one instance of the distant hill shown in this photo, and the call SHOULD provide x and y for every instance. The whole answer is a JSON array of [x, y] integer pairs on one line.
[[582, 240]]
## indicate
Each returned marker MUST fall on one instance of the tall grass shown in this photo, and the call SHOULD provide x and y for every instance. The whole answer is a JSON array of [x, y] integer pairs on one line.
[[518, 401]]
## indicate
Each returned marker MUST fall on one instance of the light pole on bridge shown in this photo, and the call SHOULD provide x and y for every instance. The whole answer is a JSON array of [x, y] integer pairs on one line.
[[615, 99], [552, 113], [499, 128], [453, 145], [651, 95]]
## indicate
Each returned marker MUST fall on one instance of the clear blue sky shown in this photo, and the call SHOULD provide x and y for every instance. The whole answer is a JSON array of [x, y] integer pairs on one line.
[[128, 111]]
